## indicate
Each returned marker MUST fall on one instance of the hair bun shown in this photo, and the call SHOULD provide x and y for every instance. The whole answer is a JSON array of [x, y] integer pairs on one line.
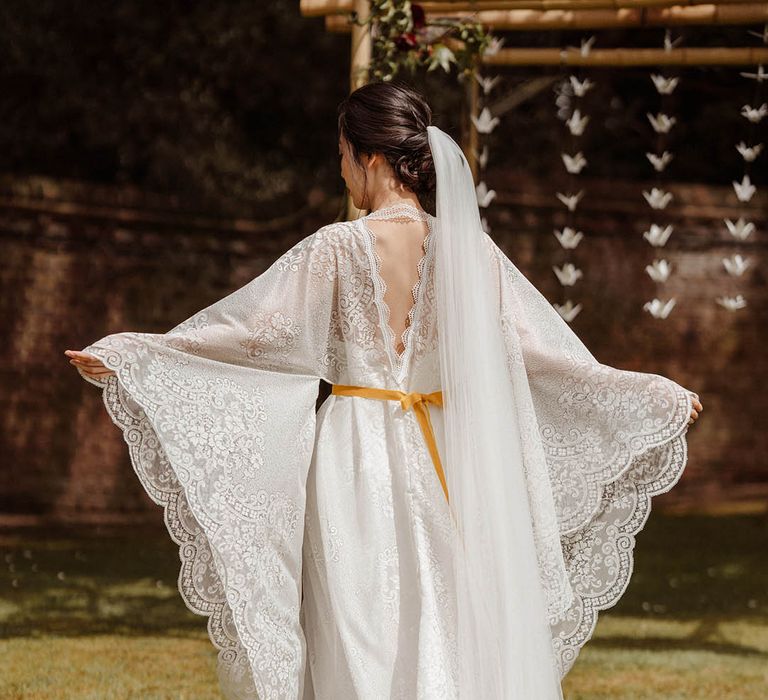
[[391, 118]]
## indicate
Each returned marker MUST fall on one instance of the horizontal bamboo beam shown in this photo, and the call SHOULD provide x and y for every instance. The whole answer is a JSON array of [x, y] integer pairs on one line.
[[627, 57], [319, 8], [524, 20]]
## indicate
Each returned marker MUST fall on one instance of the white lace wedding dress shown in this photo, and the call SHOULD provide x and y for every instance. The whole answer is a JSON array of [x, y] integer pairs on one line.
[[318, 544]]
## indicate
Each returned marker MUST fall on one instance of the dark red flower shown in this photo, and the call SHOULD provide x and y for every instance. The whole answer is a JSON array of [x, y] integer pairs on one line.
[[406, 41]]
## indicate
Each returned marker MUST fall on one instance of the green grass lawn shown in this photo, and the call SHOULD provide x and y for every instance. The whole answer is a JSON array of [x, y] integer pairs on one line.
[[95, 614]]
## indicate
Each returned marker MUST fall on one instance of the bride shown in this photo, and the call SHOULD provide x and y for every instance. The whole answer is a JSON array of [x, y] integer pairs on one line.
[[452, 519]]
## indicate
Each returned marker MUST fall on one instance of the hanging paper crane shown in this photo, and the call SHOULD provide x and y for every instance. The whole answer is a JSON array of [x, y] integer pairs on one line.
[[580, 88], [657, 198], [741, 229], [568, 274], [484, 195], [485, 124], [659, 270], [570, 200], [735, 265], [568, 237], [576, 123], [661, 122], [744, 189], [658, 308], [749, 153], [574, 164], [754, 114], [658, 236], [732, 303], [568, 311], [664, 86], [659, 162]]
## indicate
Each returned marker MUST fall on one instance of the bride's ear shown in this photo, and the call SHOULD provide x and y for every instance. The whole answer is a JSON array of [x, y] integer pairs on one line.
[[371, 160]]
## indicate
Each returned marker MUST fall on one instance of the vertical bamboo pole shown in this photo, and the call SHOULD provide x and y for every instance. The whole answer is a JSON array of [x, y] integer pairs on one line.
[[360, 60], [474, 139], [469, 137]]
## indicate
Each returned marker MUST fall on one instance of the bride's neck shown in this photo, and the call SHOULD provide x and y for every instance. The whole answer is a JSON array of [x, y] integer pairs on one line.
[[388, 199]]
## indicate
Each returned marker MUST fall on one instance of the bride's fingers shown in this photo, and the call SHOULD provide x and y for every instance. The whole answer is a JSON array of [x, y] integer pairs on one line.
[[87, 360]]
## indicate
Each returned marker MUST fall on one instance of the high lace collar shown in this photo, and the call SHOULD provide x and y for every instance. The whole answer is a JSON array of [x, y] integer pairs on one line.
[[400, 210]]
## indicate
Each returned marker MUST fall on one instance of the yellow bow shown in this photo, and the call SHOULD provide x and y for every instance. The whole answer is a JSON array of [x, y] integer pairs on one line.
[[407, 400]]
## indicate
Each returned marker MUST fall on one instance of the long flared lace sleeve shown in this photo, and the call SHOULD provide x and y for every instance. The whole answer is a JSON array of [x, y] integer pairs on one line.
[[219, 417], [611, 439]]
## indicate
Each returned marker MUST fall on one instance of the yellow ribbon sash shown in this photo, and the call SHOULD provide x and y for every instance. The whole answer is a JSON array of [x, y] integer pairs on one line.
[[407, 400]]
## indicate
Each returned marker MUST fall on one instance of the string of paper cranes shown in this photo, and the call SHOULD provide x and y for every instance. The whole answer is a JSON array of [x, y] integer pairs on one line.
[[741, 229], [484, 123], [570, 92], [657, 235]]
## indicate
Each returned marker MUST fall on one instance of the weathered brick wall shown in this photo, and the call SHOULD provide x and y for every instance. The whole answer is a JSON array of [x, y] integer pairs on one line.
[[81, 261]]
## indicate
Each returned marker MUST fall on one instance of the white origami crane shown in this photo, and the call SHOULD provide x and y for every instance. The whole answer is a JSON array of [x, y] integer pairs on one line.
[[659, 162], [744, 189], [664, 86], [669, 44], [487, 83], [659, 270], [580, 88], [661, 123], [574, 164], [741, 229], [567, 274], [570, 200], [484, 195], [749, 153], [442, 57], [759, 76], [568, 311], [754, 114], [657, 198], [658, 236], [735, 265], [761, 35], [586, 45], [568, 237], [482, 157], [658, 308], [485, 124], [732, 303], [493, 46], [576, 123]]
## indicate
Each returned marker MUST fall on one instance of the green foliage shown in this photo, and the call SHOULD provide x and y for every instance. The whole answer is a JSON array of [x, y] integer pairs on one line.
[[405, 41]]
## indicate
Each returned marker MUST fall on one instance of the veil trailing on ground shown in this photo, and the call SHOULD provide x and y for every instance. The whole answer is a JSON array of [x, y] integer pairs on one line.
[[504, 639]]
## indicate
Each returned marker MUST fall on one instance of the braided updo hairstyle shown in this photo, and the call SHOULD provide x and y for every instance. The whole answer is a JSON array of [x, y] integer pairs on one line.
[[391, 118]]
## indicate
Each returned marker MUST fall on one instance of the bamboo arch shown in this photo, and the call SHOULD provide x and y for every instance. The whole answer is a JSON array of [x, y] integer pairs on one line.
[[549, 15]]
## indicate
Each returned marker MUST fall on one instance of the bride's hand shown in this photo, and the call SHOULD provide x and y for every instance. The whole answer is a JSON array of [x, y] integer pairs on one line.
[[696, 409], [88, 364]]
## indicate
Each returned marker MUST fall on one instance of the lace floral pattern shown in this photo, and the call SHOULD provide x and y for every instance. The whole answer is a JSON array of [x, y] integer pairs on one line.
[[612, 439], [301, 585]]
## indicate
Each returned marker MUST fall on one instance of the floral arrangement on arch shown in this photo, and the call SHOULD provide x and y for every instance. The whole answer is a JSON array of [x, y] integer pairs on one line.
[[403, 39]]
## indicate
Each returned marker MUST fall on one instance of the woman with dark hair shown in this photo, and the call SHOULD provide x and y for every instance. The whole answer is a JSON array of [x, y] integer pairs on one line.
[[452, 519]]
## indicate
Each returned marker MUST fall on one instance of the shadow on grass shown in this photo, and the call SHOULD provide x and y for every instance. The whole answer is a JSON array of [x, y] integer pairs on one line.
[[700, 640], [83, 581]]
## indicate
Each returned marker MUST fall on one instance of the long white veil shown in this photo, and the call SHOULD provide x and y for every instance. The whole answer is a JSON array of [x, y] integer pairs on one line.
[[504, 640]]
